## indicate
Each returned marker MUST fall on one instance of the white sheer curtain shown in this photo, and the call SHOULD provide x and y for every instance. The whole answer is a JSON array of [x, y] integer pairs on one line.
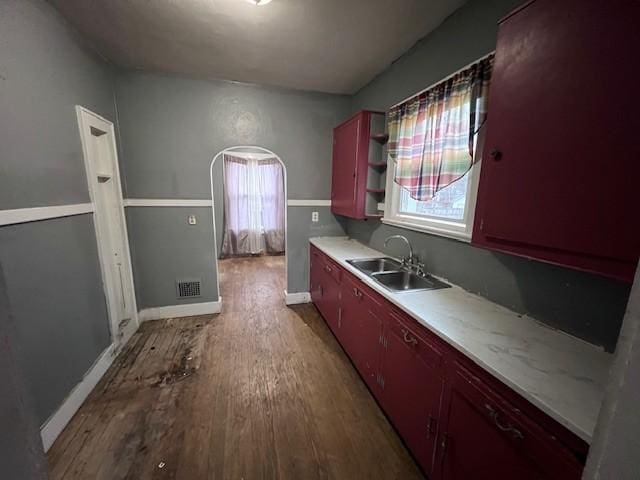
[[254, 205]]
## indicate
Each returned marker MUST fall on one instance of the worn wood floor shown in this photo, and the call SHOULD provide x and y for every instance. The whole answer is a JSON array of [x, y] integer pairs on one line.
[[261, 391]]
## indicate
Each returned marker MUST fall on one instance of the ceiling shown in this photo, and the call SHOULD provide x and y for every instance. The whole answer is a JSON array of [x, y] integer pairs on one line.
[[332, 46]]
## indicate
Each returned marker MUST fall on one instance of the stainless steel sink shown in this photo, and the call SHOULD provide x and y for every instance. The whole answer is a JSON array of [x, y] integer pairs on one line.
[[407, 281], [375, 265], [392, 275]]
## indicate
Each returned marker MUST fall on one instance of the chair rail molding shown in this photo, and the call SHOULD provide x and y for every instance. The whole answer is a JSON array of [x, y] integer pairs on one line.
[[33, 214]]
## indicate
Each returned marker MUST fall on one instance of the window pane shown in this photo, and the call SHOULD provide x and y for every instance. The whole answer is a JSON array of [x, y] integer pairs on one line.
[[449, 203]]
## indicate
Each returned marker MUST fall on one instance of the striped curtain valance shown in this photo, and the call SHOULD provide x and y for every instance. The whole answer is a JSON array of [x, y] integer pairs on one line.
[[432, 135]]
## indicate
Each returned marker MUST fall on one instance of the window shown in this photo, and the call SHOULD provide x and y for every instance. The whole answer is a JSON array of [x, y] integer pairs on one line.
[[448, 213], [433, 150]]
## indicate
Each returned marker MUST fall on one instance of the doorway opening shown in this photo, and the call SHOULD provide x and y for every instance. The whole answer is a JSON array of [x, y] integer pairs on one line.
[[249, 203]]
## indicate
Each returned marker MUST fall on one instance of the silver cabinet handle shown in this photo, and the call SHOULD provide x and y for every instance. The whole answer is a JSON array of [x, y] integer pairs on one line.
[[408, 338], [505, 427]]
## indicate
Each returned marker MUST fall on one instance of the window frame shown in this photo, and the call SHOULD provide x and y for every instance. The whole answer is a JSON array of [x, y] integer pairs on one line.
[[458, 230]]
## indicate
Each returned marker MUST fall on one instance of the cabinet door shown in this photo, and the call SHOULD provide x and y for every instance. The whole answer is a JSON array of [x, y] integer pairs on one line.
[[485, 439], [412, 388], [315, 276], [361, 329], [559, 173], [331, 302], [347, 183]]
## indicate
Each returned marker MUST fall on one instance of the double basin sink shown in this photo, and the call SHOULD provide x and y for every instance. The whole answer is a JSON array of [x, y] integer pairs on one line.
[[395, 277]]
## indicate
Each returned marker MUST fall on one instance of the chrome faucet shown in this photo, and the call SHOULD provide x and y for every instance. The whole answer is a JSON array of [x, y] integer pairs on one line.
[[412, 262], [405, 261]]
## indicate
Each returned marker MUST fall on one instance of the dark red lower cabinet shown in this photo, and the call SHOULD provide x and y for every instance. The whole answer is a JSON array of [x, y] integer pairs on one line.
[[412, 388], [361, 330], [484, 438], [458, 421]]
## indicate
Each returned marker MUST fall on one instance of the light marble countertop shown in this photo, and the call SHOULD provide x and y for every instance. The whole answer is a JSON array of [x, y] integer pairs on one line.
[[560, 374]]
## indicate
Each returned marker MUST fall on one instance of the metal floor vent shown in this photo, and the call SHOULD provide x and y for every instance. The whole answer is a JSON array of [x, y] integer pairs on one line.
[[188, 287]]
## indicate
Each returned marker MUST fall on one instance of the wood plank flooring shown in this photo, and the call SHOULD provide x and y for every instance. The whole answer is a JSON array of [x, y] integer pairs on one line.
[[261, 391]]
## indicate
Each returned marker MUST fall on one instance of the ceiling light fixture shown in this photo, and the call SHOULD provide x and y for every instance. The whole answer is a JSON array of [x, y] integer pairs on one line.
[[259, 3]]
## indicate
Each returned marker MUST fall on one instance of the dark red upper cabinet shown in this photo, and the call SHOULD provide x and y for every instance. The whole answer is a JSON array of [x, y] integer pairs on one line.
[[561, 159], [359, 164]]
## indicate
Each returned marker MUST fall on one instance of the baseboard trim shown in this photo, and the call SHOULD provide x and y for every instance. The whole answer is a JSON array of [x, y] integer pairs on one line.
[[186, 310], [53, 427], [296, 298]]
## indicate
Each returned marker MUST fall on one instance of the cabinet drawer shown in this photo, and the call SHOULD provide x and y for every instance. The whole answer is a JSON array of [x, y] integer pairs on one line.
[[530, 448], [353, 286], [424, 349], [332, 269]]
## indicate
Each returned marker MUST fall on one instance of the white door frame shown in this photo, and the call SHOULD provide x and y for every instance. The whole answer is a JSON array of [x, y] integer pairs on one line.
[[262, 150], [85, 120]]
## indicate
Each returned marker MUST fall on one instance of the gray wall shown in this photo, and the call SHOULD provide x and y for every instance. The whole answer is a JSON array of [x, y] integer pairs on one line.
[[615, 449], [300, 230], [584, 305], [170, 129], [21, 454], [164, 247], [51, 267]]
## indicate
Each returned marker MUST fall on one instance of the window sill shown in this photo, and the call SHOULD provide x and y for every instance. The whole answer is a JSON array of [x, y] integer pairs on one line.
[[460, 236]]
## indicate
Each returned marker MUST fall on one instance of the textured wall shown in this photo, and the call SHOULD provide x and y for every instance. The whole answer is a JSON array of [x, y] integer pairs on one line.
[[615, 450], [44, 72], [21, 454], [584, 305], [301, 229], [55, 291], [53, 278], [165, 247], [170, 129]]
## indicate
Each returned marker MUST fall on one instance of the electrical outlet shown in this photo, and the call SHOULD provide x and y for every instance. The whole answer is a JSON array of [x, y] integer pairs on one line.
[[314, 216], [192, 220]]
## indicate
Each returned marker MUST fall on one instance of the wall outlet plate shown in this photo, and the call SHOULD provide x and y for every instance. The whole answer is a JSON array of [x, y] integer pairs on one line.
[[314, 216], [192, 219]]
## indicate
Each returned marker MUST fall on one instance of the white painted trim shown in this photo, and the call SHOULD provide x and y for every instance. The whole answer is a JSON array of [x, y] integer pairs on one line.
[[186, 310], [177, 202], [53, 427], [309, 203], [296, 298], [23, 215], [86, 119], [166, 202], [235, 150]]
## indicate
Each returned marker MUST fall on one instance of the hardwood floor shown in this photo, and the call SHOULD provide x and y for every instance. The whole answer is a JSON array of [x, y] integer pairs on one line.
[[261, 391]]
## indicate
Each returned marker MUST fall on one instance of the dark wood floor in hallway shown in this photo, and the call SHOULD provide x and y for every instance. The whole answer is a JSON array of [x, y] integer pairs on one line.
[[261, 391]]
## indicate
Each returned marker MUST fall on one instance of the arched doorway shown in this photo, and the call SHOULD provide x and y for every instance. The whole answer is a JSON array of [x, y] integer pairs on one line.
[[216, 199]]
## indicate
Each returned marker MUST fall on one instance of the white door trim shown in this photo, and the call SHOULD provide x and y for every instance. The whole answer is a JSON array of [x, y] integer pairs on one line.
[[84, 119], [33, 214], [213, 210]]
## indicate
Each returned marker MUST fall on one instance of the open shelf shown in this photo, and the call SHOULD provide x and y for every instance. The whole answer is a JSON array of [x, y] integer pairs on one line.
[[380, 137], [378, 164]]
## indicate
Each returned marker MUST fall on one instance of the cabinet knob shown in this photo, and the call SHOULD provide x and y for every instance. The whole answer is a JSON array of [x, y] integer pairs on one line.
[[495, 154]]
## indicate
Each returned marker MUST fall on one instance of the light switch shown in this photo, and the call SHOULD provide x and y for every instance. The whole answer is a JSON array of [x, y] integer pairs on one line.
[[314, 216], [192, 220]]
